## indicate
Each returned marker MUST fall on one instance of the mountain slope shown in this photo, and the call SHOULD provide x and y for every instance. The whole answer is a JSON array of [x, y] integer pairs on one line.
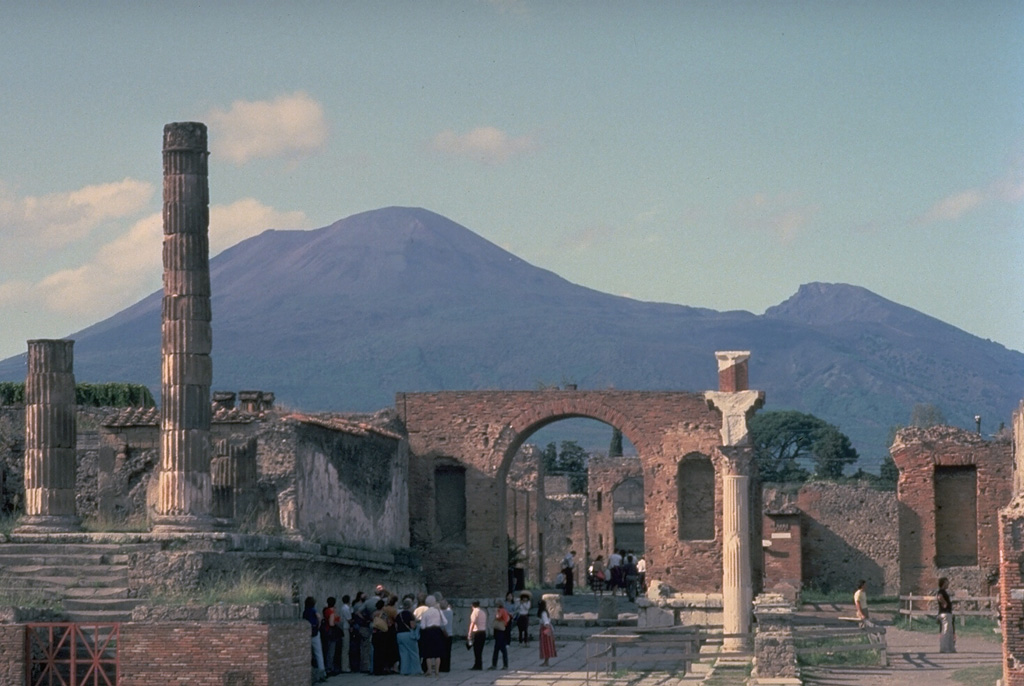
[[402, 299]]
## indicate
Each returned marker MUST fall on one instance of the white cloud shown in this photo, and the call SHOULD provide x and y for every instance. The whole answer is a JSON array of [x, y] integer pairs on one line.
[[486, 145], [954, 206], [247, 217], [130, 266], [59, 219], [290, 126], [784, 215], [587, 238]]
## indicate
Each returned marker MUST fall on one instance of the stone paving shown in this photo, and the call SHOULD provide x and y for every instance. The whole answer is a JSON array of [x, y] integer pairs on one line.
[[914, 660], [568, 669]]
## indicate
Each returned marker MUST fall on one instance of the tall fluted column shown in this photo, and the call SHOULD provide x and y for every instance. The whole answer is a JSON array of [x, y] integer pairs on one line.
[[184, 498], [50, 438], [737, 593]]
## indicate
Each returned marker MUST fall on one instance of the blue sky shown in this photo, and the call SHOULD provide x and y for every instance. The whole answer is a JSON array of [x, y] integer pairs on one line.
[[709, 154]]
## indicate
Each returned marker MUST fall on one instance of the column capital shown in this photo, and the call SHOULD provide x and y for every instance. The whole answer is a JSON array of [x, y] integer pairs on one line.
[[736, 409]]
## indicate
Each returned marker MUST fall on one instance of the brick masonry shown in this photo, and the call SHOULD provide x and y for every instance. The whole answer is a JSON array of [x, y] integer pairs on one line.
[[198, 653], [918, 454], [1011, 566], [481, 431]]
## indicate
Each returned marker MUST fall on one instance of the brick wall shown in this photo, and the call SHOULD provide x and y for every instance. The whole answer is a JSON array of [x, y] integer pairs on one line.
[[605, 474], [482, 430], [1011, 566], [919, 453], [214, 654], [203, 653], [12, 655]]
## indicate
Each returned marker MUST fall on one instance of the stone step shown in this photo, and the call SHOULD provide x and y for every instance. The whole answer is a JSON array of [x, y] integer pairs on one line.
[[96, 592], [8, 559], [74, 570], [69, 548], [55, 581], [100, 604]]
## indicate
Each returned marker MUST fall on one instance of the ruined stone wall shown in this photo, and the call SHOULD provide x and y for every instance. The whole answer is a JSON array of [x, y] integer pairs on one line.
[[849, 532], [351, 490], [931, 521], [565, 519], [605, 474], [524, 506]]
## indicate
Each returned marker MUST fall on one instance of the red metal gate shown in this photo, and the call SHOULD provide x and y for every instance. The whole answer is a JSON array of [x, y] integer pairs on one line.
[[63, 654]]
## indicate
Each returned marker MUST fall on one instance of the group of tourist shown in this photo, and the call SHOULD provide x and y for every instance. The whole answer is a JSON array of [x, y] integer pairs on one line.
[[383, 634], [623, 571]]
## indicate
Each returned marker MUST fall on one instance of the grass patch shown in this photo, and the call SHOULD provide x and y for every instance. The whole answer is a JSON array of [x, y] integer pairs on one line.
[[106, 524], [834, 652], [729, 676], [982, 627], [8, 520], [986, 675], [13, 595], [249, 589]]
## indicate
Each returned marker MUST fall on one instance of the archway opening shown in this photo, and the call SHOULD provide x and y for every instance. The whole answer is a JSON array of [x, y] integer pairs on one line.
[[550, 502]]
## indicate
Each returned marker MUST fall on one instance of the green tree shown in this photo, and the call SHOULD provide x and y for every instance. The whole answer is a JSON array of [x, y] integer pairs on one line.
[[785, 441], [615, 449], [888, 473], [549, 458]]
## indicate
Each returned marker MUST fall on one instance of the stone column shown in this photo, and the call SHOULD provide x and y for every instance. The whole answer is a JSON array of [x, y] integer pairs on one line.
[[184, 497], [50, 438], [737, 591], [736, 404]]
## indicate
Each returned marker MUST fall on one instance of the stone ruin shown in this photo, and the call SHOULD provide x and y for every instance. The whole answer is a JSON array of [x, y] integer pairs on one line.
[[425, 495]]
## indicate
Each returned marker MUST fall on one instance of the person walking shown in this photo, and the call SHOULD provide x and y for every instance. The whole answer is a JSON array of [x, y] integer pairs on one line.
[[547, 634], [477, 634], [860, 601], [500, 628], [947, 629]]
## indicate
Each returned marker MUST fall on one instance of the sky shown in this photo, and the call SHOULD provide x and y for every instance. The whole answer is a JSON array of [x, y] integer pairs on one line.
[[712, 154]]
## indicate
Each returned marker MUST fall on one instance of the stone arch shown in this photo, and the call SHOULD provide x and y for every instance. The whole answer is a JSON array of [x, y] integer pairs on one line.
[[537, 416], [482, 430]]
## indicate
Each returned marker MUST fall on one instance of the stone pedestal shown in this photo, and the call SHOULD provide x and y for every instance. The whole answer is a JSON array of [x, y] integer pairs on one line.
[[184, 499], [608, 608], [554, 602], [736, 581], [774, 646], [50, 438]]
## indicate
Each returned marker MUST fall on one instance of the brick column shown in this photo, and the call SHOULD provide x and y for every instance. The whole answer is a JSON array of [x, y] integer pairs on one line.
[[50, 438], [184, 497], [1011, 565]]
